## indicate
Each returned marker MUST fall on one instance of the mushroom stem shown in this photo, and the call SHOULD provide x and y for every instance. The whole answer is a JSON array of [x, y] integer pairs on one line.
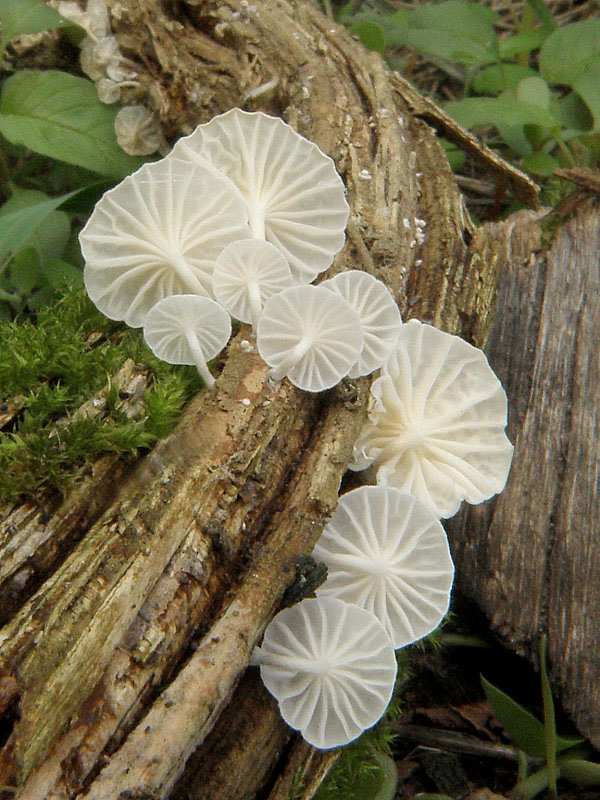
[[199, 359], [256, 220], [187, 275], [295, 355], [255, 304]]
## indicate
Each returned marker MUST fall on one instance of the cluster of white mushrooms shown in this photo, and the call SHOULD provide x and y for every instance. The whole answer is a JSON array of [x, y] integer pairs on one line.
[[237, 221]]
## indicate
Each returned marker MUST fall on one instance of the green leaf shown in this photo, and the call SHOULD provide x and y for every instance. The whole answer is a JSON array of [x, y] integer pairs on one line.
[[587, 86], [59, 274], [370, 35], [497, 78], [543, 14], [567, 52], [60, 116], [533, 91], [540, 164], [27, 16], [466, 20], [572, 112], [513, 46], [442, 44], [524, 729], [25, 271], [476, 111], [580, 772], [456, 157]]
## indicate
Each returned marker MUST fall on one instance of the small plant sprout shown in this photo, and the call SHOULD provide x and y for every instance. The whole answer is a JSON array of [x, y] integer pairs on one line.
[[188, 329], [158, 233], [378, 314], [311, 335], [331, 667], [437, 420], [387, 552], [246, 274], [293, 194]]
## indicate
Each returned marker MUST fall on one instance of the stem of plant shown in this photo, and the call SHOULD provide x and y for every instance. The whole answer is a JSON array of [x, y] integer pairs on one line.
[[562, 146], [549, 721]]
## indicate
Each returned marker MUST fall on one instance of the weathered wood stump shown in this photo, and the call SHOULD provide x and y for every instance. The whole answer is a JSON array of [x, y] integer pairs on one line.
[[131, 609]]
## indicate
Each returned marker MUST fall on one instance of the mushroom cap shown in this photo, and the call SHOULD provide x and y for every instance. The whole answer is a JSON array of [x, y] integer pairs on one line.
[[437, 419], [388, 553], [169, 322], [378, 313], [331, 667], [294, 196], [318, 319], [243, 264], [156, 234]]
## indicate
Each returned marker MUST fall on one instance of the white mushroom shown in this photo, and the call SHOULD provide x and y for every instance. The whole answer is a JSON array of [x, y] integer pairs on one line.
[[387, 552], [331, 667], [293, 194], [187, 329], [246, 274], [311, 335], [136, 129], [436, 425], [378, 314], [158, 233]]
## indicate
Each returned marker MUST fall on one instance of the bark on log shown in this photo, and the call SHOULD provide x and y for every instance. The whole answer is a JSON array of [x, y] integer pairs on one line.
[[121, 663], [531, 558]]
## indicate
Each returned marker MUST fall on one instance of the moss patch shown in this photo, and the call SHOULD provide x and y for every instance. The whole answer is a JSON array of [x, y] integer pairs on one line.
[[49, 369]]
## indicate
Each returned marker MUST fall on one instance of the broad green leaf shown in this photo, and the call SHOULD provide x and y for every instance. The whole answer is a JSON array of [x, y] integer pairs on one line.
[[18, 222], [524, 729], [567, 52], [587, 86], [533, 91], [468, 20], [60, 116], [571, 112], [25, 271], [27, 16], [60, 273], [370, 35], [540, 164], [515, 137], [543, 14], [451, 47], [580, 772], [476, 111], [519, 43], [496, 78]]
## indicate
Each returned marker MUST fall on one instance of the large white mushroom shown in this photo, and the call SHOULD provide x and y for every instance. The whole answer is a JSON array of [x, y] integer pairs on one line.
[[293, 195], [387, 552], [310, 335], [331, 667], [158, 233], [437, 420]]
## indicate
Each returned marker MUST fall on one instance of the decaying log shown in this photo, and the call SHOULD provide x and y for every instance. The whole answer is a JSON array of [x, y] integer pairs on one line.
[[531, 558], [126, 656]]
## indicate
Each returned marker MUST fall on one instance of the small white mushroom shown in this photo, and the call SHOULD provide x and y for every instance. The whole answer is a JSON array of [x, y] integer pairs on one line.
[[437, 420], [378, 314], [311, 335], [158, 233], [331, 667], [136, 129], [246, 274], [387, 552], [187, 329], [293, 194]]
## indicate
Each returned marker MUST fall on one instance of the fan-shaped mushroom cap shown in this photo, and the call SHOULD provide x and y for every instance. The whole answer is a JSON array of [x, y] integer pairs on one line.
[[387, 552], [293, 194], [436, 426], [331, 667], [156, 234], [188, 329], [246, 274], [378, 314], [311, 335]]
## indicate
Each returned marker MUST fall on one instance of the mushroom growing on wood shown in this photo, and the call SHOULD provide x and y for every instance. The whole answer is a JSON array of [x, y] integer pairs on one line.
[[378, 314], [437, 420], [246, 274], [311, 335], [188, 329], [158, 233], [331, 667], [387, 552], [293, 195]]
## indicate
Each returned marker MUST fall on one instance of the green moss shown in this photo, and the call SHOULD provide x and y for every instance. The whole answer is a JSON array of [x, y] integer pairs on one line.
[[52, 367]]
